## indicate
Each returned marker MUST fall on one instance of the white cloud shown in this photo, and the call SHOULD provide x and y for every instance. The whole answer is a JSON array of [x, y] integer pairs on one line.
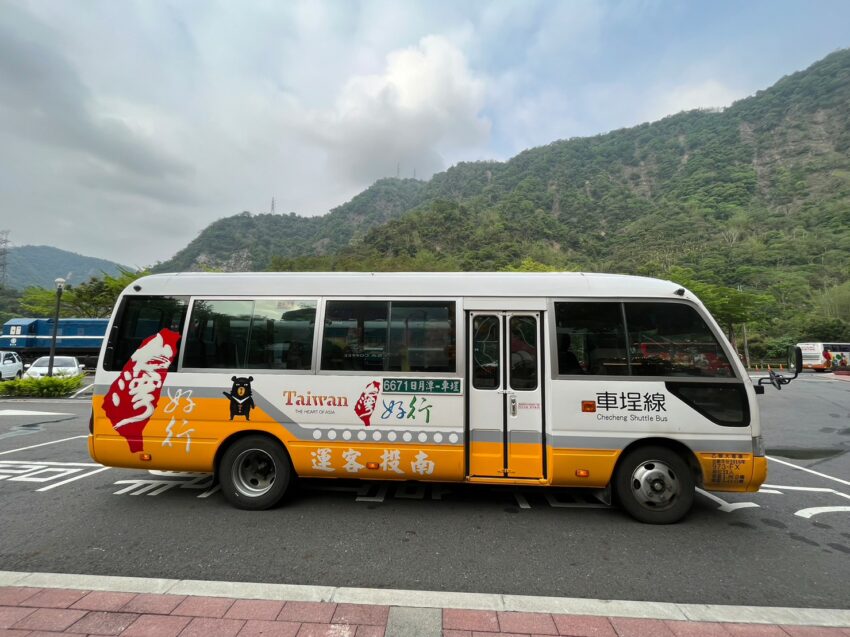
[[127, 128], [708, 93], [422, 109]]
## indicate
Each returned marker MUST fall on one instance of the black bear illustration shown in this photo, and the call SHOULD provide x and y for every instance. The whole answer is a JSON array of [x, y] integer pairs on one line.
[[241, 400]]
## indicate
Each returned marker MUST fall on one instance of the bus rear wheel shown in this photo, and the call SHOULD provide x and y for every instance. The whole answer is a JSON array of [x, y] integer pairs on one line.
[[254, 473], [655, 485]]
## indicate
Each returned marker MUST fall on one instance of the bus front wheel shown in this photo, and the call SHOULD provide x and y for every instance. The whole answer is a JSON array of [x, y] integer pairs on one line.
[[254, 473], [655, 485]]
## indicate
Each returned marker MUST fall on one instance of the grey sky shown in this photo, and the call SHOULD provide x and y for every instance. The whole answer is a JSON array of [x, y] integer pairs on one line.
[[127, 127]]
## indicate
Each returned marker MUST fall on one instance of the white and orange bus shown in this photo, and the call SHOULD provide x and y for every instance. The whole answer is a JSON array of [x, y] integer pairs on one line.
[[623, 384], [823, 357]]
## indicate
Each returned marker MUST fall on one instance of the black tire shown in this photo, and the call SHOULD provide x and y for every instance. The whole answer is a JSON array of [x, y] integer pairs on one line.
[[655, 485], [254, 473], [18, 376]]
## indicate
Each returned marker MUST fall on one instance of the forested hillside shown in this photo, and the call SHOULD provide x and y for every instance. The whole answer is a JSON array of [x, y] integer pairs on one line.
[[40, 266], [753, 198], [247, 242]]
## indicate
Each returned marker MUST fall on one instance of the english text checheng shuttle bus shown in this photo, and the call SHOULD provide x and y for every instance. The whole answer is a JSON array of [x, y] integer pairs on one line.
[[578, 380]]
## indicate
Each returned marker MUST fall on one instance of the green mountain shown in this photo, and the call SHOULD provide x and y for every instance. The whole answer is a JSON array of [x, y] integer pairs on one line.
[[40, 266], [247, 242], [755, 197]]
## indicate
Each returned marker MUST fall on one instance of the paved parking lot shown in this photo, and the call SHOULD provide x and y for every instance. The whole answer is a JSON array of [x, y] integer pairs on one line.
[[788, 545]]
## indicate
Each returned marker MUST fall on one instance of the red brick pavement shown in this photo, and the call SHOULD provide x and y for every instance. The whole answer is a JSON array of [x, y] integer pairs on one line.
[[486, 623], [36, 612]]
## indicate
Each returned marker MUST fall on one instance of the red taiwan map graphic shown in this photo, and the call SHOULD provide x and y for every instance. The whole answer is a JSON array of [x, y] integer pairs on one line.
[[366, 403], [133, 396]]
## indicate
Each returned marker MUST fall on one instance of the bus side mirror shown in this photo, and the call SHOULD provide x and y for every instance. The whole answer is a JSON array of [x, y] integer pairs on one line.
[[795, 364], [795, 360]]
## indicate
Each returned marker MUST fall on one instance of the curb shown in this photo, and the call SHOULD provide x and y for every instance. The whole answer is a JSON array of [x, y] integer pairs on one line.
[[410, 599]]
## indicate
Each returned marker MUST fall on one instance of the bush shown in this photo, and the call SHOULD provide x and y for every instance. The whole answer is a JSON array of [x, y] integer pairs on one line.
[[44, 387]]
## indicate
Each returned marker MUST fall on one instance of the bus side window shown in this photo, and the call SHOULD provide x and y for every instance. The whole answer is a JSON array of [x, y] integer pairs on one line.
[[591, 338], [140, 317], [398, 336], [486, 345], [422, 337], [355, 335], [282, 334], [218, 334], [671, 339]]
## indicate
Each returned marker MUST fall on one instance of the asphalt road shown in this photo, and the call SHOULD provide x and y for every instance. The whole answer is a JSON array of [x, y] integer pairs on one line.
[[788, 545]]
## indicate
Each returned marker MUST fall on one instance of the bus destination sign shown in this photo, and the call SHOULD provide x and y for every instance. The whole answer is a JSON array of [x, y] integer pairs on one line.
[[421, 386]]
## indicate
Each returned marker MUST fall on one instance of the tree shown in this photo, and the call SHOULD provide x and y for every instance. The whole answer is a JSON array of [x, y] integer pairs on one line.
[[93, 299], [41, 303], [823, 329], [9, 304], [729, 306], [530, 265]]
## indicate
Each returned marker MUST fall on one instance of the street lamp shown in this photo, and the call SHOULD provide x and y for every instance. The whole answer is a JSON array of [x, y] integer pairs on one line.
[[60, 285]]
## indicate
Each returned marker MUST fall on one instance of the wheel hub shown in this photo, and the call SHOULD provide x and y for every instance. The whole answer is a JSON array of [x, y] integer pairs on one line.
[[654, 485], [253, 472]]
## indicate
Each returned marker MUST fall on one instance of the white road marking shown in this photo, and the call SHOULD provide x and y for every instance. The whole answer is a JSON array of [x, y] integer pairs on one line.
[[521, 501], [817, 473], [378, 497], [813, 489], [84, 389], [208, 493], [43, 472], [557, 504], [52, 442], [807, 513], [174, 479], [727, 507], [21, 412], [763, 490], [85, 475], [48, 463]]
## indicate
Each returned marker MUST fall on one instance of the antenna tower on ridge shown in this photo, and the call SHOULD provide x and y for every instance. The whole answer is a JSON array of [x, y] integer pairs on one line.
[[4, 252], [272, 205]]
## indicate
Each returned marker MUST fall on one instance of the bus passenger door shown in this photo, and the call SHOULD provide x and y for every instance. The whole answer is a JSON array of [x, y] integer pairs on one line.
[[505, 395]]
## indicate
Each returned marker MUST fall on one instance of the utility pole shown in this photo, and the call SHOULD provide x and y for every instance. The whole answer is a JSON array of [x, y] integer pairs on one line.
[[60, 285]]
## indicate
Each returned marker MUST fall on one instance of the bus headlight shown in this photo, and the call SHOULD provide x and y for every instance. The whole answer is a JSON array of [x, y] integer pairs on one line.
[[758, 446]]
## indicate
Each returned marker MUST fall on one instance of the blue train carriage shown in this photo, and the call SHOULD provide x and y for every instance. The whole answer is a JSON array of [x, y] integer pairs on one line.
[[30, 338]]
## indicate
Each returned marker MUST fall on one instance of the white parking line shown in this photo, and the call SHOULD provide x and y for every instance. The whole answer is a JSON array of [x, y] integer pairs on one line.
[[726, 507], [49, 462], [85, 475], [52, 442], [817, 473], [810, 489], [807, 513], [21, 412]]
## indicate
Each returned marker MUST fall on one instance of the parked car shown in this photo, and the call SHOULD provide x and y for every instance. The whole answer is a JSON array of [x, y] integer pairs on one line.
[[11, 366], [62, 366]]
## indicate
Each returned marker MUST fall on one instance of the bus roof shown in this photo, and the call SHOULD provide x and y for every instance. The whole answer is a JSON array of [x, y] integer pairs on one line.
[[467, 284]]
